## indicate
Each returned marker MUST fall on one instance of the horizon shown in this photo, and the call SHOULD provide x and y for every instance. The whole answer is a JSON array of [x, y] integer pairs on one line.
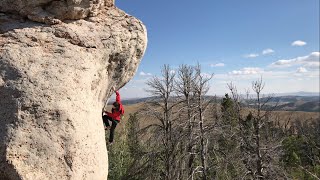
[[238, 42], [288, 94]]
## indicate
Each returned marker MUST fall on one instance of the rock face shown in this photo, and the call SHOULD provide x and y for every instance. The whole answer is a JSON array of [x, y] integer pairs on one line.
[[53, 83], [52, 11]]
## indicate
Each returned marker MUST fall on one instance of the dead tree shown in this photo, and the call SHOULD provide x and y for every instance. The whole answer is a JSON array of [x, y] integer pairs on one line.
[[257, 87], [201, 86], [162, 110], [259, 147], [185, 89]]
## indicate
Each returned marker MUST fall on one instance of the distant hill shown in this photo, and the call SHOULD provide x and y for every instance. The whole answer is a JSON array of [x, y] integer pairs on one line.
[[300, 93], [284, 103], [133, 100], [296, 103], [295, 98]]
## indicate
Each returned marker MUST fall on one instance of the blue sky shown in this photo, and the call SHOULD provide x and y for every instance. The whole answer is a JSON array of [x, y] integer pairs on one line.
[[238, 41]]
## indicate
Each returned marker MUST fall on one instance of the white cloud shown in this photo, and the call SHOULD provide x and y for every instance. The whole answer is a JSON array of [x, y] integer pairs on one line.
[[144, 74], [302, 70], [267, 51], [252, 55], [313, 65], [217, 65], [311, 60], [206, 75], [276, 81], [298, 43], [247, 71], [172, 72]]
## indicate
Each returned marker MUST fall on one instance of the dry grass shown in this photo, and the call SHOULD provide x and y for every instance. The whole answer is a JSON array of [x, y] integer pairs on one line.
[[282, 116]]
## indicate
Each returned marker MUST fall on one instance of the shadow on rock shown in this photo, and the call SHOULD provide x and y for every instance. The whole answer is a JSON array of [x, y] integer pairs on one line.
[[8, 115]]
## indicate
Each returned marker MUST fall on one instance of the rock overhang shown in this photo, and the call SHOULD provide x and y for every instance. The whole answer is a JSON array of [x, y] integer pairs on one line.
[[53, 83]]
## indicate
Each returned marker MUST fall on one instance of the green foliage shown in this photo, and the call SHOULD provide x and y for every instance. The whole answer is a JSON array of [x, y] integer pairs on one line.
[[293, 150], [123, 152], [247, 127], [146, 153], [127, 159], [316, 169], [226, 144], [132, 136], [298, 173], [229, 114], [119, 158], [226, 103], [299, 151], [224, 153], [298, 157]]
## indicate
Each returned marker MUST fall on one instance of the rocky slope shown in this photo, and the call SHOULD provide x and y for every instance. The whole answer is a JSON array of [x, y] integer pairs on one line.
[[53, 83]]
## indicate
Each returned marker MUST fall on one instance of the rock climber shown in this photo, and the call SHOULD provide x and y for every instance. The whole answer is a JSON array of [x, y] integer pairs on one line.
[[114, 117]]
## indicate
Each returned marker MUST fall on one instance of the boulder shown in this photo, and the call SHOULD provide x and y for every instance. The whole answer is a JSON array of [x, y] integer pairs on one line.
[[52, 11], [54, 80]]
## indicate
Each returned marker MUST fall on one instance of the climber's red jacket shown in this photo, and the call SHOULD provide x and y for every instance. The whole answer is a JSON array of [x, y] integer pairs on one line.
[[116, 114]]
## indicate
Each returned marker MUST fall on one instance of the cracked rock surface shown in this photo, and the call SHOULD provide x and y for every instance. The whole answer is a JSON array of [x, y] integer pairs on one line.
[[52, 11], [53, 83]]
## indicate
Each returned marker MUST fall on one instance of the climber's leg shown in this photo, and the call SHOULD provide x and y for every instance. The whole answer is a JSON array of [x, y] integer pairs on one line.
[[113, 127], [106, 120]]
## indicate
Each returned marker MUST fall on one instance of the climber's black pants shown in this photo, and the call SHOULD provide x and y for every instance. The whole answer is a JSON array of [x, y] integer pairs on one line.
[[114, 123]]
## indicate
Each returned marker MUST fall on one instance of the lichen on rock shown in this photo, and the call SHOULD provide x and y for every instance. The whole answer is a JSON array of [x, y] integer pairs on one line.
[[54, 80]]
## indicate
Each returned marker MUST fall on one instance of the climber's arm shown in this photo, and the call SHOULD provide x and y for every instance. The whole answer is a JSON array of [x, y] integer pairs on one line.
[[118, 96]]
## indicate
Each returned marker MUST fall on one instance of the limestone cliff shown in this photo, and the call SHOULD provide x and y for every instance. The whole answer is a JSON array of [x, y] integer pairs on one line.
[[53, 83]]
